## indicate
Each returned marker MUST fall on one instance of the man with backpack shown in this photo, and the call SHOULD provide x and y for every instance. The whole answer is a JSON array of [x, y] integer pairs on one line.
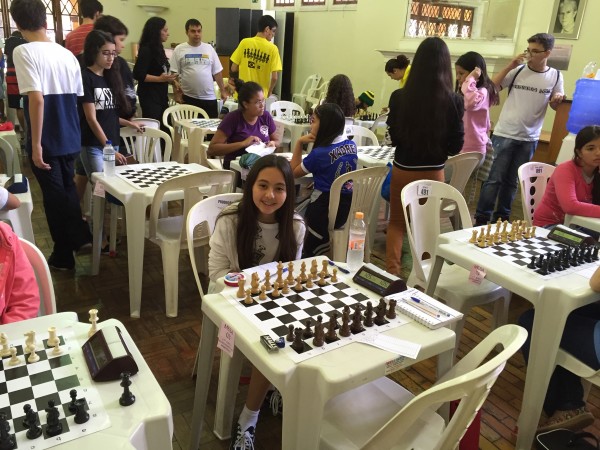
[[532, 85]]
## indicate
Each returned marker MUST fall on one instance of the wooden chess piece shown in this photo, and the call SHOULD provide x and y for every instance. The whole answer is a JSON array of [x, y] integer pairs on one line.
[[286, 288], [290, 277], [473, 237], [241, 292], [267, 280], [309, 283], [298, 287], [504, 225], [248, 300], [345, 329], [127, 398], [5, 349], [331, 335], [303, 276], [334, 278], [52, 338], [57, 350], [318, 340], [276, 292], [322, 281], [488, 229], [254, 289], [325, 265], [30, 344], [94, 321], [263, 293], [280, 273], [391, 311], [533, 231], [298, 343], [14, 359], [369, 315], [356, 326], [314, 269], [290, 335], [307, 333], [498, 225]]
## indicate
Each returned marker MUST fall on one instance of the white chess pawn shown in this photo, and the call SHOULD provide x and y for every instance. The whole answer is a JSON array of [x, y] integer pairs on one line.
[[52, 338], [14, 359], [94, 321], [5, 350], [57, 350]]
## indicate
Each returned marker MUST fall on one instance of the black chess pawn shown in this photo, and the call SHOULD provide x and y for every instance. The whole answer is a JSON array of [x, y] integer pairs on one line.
[[307, 333], [391, 311], [331, 335], [127, 398], [551, 263], [81, 415], [544, 269], [356, 325], [290, 335], [53, 425], [588, 255], [7, 440], [73, 394], [531, 264], [539, 262], [368, 315], [595, 253], [345, 329], [298, 344]]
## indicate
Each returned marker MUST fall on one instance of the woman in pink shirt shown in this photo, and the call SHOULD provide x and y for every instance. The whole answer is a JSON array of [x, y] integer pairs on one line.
[[480, 93], [574, 187]]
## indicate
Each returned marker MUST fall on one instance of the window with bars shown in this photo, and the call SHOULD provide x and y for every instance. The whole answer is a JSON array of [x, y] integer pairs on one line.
[[313, 2], [283, 2], [440, 19], [62, 16]]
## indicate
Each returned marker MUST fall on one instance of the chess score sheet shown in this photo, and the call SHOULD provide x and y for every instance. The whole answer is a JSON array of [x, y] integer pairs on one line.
[[49, 379]]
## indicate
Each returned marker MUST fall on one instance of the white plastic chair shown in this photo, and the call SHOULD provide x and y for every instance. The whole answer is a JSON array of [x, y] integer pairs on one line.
[[179, 136], [422, 214], [322, 93], [382, 415], [197, 149], [146, 146], [366, 187], [533, 178], [361, 135], [20, 218], [169, 232], [286, 110], [9, 157], [43, 277], [309, 89], [461, 166]]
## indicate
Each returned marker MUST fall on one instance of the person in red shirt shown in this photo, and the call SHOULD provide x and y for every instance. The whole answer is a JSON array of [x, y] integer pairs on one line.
[[89, 10]]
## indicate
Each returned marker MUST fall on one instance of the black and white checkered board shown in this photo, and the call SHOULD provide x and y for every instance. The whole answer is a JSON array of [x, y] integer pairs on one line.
[[519, 253], [274, 315], [51, 378], [143, 177], [381, 153], [209, 124]]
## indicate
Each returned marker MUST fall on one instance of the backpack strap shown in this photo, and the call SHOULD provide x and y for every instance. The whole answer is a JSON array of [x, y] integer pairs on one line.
[[510, 86]]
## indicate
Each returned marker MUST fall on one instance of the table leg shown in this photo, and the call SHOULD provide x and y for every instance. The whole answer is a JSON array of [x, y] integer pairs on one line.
[[135, 211], [24, 213], [98, 222], [303, 406], [434, 275], [229, 378], [550, 315], [208, 341]]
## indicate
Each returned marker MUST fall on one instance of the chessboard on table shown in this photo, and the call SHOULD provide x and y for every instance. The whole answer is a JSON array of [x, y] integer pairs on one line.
[[274, 314], [207, 124], [382, 153], [142, 176], [50, 378]]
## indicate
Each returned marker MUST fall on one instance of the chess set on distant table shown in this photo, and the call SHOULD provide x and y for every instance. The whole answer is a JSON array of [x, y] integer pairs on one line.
[[310, 312], [49, 376], [295, 118], [367, 116], [563, 251]]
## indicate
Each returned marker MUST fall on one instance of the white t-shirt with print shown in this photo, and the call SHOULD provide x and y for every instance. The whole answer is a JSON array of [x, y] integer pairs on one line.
[[196, 67], [523, 112]]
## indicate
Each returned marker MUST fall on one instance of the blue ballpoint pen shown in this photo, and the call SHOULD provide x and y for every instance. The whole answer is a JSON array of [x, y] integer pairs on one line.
[[341, 269], [424, 303]]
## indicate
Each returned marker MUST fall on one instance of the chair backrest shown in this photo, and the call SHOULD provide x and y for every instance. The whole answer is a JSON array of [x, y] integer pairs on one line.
[[200, 223], [311, 84], [178, 112], [148, 123], [361, 135], [533, 178], [462, 166], [423, 201], [9, 158], [469, 381], [322, 92], [146, 146], [43, 277], [195, 187], [286, 110], [366, 185], [381, 118], [196, 151]]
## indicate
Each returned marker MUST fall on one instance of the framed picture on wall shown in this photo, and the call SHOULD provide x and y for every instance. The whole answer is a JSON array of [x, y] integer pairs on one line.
[[566, 18]]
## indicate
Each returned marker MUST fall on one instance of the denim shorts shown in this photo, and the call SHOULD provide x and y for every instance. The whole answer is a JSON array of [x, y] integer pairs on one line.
[[91, 157]]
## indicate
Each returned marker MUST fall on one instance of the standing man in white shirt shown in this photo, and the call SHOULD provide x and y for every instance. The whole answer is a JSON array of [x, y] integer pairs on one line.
[[197, 65]]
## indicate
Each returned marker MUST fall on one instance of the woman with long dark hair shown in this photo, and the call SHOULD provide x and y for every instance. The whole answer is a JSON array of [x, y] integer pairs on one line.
[[261, 228], [341, 93], [250, 124], [574, 187], [425, 125], [151, 70]]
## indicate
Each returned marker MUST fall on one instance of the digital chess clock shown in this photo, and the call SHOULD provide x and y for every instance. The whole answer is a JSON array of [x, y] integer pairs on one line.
[[378, 281], [570, 237], [107, 356]]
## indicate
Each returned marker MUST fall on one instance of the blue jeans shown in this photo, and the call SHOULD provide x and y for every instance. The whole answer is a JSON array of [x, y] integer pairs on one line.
[[581, 338], [509, 155], [91, 157]]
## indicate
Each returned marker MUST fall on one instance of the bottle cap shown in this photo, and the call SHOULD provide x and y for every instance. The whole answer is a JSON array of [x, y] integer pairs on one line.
[[232, 278], [359, 215], [108, 142]]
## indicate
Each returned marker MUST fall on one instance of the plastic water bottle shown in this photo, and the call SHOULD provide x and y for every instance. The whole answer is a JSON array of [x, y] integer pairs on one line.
[[108, 156], [589, 71], [356, 243]]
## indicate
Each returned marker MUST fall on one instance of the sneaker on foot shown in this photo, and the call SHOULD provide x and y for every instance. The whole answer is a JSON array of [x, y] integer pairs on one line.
[[574, 420], [274, 401], [242, 440]]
